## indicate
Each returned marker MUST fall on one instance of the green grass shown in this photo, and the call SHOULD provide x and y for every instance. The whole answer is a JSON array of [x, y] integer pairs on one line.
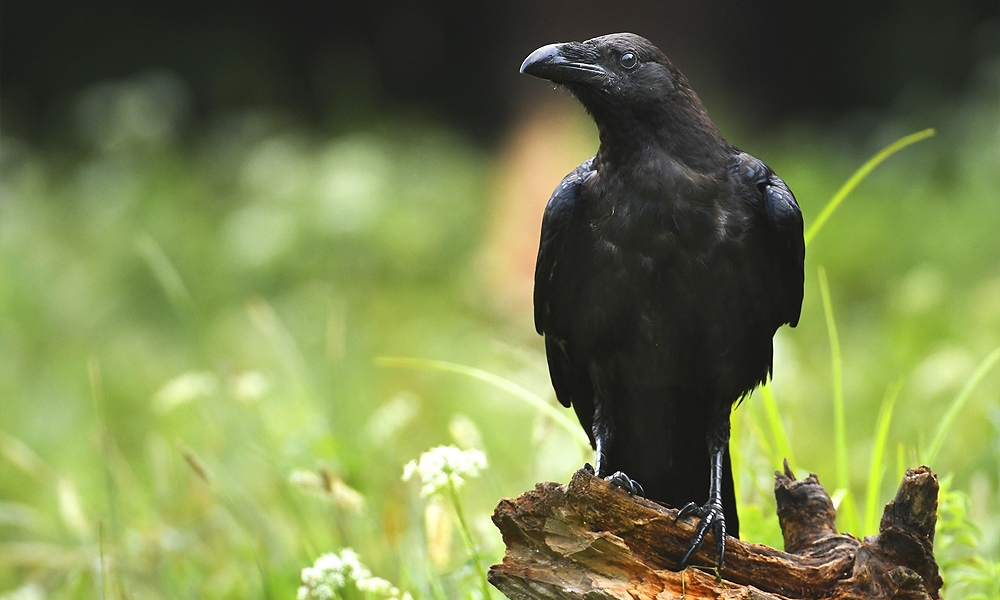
[[876, 468], [846, 510], [192, 405], [929, 455], [531, 399], [859, 176]]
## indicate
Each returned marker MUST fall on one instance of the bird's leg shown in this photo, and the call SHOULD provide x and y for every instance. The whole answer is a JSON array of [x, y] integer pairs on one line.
[[712, 516], [603, 430]]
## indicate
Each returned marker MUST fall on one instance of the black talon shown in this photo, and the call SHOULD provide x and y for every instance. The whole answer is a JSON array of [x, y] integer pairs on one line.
[[712, 514], [712, 518], [626, 483]]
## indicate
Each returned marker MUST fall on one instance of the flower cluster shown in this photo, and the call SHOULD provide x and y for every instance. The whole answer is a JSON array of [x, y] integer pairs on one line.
[[333, 574], [445, 466]]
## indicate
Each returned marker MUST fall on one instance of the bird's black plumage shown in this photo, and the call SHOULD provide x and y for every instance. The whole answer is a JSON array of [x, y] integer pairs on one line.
[[667, 261]]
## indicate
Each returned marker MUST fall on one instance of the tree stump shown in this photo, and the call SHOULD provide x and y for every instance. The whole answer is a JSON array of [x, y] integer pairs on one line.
[[590, 539]]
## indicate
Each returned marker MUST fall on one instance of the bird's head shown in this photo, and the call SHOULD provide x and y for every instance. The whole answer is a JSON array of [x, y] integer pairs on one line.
[[621, 79]]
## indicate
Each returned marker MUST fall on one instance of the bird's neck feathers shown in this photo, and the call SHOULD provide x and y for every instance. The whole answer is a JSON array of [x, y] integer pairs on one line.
[[678, 126]]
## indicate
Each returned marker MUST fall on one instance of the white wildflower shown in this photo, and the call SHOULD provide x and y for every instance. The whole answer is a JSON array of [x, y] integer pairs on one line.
[[30, 591], [184, 388], [249, 387], [309, 480], [380, 588], [332, 574], [445, 466]]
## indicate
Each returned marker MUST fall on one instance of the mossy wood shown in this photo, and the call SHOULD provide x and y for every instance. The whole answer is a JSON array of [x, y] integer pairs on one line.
[[589, 539]]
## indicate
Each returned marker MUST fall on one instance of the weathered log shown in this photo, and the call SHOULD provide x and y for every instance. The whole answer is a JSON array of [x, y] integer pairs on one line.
[[590, 539]]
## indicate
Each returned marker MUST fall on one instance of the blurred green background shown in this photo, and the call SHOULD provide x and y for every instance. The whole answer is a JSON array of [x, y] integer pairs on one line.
[[210, 229]]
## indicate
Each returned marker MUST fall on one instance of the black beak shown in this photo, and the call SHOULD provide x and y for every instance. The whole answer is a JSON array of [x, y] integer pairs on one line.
[[571, 62]]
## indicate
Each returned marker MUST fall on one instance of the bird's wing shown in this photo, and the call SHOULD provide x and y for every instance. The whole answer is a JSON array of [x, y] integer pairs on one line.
[[554, 275], [785, 220], [557, 233]]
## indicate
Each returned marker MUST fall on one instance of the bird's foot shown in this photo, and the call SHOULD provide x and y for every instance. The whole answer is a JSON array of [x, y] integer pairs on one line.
[[626, 483], [620, 479], [712, 518]]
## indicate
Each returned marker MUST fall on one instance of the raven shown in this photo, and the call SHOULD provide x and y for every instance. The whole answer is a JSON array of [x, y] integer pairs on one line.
[[667, 262]]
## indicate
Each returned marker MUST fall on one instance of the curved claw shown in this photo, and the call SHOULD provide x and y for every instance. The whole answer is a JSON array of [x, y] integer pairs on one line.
[[626, 483], [712, 518]]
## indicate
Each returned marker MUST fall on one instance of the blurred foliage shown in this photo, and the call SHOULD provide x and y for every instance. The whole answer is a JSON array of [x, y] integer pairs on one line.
[[968, 574], [190, 317]]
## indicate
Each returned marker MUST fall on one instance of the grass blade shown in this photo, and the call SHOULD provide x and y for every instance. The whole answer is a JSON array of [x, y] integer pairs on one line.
[[860, 175], [528, 397], [782, 447], [876, 468], [900, 461], [849, 511], [956, 405], [837, 371], [755, 427], [103, 562], [165, 272], [736, 435]]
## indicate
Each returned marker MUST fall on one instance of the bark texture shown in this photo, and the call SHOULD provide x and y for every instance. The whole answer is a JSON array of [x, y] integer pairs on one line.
[[589, 539]]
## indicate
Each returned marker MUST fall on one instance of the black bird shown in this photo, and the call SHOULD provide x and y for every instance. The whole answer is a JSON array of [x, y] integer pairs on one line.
[[667, 262]]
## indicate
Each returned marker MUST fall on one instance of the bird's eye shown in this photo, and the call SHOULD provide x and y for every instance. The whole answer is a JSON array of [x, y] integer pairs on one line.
[[628, 60]]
